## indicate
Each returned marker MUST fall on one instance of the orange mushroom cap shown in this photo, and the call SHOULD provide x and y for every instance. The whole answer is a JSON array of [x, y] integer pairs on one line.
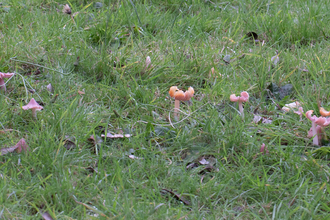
[[180, 95], [324, 113], [172, 91]]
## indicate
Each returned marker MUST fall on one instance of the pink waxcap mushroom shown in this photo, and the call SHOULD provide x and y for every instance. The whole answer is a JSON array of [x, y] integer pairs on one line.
[[240, 99], [319, 132], [2, 82], [148, 62], [21, 145], [243, 98], [34, 106], [321, 121], [314, 131], [309, 115], [263, 148], [49, 87], [300, 112], [316, 122]]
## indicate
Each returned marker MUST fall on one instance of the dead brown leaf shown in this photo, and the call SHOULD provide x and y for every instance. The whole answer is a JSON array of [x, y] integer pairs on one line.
[[21, 145], [69, 143], [5, 130], [95, 140]]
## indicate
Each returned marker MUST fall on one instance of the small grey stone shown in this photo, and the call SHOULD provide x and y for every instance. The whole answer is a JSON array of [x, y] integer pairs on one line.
[[227, 58], [6, 9], [91, 17], [98, 5]]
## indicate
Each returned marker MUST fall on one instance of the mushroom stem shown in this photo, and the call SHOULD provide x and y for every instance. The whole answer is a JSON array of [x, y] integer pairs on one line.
[[176, 109], [2, 85], [316, 138], [240, 107], [34, 113]]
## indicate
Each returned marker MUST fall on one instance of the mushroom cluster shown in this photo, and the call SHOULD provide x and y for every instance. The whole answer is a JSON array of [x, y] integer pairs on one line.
[[179, 95], [318, 123]]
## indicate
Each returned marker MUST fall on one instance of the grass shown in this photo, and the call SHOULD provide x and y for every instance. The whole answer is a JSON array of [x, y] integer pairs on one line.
[[185, 39]]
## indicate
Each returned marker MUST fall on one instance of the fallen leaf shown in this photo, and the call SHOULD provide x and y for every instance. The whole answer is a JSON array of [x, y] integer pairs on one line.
[[238, 209], [69, 143], [293, 105], [256, 119], [262, 119], [191, 165], [204, 162], [46, 216], [96, 140], [134, 157], [209, 168], [21, 145], [5, 130]]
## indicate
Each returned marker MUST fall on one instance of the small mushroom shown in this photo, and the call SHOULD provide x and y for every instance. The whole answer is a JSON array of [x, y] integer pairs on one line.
[[148, 62], [2, 82], [319, 132], [263, 149], [179, 95], [34, 106], [67, 9], [317, 121], [49, 88], [240, 99], [314, 132], [275, 59], [299, 112]]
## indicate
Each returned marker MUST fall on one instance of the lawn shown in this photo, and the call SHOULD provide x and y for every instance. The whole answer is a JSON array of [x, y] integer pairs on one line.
[[107, 143]]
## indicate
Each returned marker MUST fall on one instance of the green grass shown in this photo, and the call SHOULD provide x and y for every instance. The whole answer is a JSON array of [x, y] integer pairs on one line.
[[185, 39]]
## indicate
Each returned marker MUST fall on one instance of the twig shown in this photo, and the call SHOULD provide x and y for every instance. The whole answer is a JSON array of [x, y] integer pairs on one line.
[[14, 58], [91, 208], [27, 96], [177, 196], [172, 124]]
